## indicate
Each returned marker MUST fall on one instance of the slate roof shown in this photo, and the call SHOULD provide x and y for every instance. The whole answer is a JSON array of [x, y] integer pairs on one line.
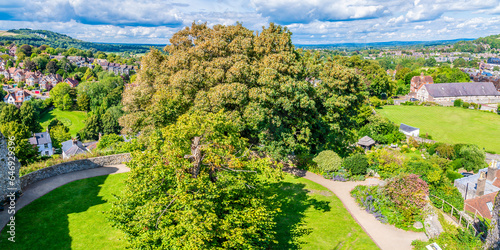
[[407, 128], [462, 89], [75, 150], [40, 138], [65, 146], [366, 141]]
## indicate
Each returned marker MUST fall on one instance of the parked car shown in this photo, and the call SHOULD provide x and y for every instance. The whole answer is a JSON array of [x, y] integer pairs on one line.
[[413, 100], [465, 174]]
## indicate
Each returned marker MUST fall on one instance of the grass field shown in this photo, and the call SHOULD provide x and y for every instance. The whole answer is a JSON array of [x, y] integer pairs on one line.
[[74, 120], [6, 33], [73, 217], [450, 124]]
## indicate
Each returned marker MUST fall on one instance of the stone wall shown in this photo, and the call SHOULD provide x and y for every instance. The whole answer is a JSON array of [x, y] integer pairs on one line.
[[493, 238], [72, 166], [7, 185]]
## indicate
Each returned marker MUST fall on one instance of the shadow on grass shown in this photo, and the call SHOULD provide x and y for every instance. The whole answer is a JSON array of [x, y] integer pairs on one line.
[[44, 224], [295, 201]]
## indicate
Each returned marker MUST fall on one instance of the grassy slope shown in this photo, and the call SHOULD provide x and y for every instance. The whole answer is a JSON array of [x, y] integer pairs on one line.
[[74, 120], [314, 218], [450, 124], [70, 217], [73, 217]]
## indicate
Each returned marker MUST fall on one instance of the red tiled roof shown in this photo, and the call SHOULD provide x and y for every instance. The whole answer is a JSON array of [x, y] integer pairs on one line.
[[479, 203]]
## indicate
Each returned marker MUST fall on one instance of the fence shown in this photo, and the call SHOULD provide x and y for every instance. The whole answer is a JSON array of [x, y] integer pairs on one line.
[[479, 224]]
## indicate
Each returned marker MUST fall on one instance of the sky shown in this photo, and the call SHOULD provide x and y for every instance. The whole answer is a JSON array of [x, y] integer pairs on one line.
[[311, 21]]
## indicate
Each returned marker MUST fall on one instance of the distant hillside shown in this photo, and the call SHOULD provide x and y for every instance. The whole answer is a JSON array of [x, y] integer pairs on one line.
[[493, 41], [379, 45], [57, 40]]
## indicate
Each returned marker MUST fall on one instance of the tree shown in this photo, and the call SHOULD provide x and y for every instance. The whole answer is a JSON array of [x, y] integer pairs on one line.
[[431, 62], [473, 158], [29, 65], [29, 117], [460, 62], [59, 134], [52, 66], [26, 49], [10, 113], [197, 187], [55, 122], [110, 123], [58, 95], [109, 140], [83, 102], [357, 164], [24, 151], [262, 79], [67, 102], [93, 126]]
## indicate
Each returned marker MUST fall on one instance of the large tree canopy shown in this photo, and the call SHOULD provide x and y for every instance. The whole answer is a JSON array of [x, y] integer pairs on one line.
[[288, 102], [199, 187]]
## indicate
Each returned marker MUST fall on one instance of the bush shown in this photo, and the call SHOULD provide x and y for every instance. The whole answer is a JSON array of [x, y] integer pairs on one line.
[[357, 164], [390, 101], [446, 151], [376, 102], [109, 140], [465, 105], [328, 161], [409, 193], [498, 109], [473, 158], [458, 103]]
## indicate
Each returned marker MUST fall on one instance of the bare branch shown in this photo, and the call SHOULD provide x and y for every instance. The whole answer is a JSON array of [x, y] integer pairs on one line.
[[158, 220]]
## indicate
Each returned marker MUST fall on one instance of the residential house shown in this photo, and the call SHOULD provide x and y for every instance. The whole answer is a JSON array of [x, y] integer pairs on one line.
[[17, 97], [73, 147], [418, 82], [33, 78], [445, 93], [43, 142], [72, 82], [479, 190], [12, 50], [18, 75], [49, 81]]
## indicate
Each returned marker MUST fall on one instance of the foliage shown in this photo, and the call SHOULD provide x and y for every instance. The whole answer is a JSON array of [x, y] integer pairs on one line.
[[60, 95], [376, 102], [328, 160], [10, 113], [83, 102], [357, 164], [446, 151], [261, 78], [387, 162], [29, 117], [473, 158], [408, 193], [110, 123], [24, 151], [220, 195], [59, 134], [381, 130], [108, 141], [448, 193]]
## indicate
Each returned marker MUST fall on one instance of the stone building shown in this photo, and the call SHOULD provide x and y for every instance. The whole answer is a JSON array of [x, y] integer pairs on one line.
[[445, 93], [417, 82]]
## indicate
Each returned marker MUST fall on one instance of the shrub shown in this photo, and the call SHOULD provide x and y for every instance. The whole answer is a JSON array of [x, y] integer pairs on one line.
[[376, 102], [498, 109], [473, 158], [453, 175], [109, 140], [390, 101], [357, 164], [458, 103], [465, 105], [328, 160], [409, 193], [387, 162], [446, 151]]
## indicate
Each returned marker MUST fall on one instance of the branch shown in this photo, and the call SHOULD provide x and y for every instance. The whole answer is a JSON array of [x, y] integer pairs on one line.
[[238, 170], [158, 220]]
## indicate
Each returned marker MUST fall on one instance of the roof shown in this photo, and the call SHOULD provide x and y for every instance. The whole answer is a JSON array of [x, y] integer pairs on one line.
[[40, 138], [65, 146], [407, 128], [75, 149], [72, 82], [366, 141], [481, 204], [462, 89]]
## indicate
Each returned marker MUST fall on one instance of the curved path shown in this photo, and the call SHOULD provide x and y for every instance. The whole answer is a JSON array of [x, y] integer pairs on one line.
[[38, 189], [384, 235]]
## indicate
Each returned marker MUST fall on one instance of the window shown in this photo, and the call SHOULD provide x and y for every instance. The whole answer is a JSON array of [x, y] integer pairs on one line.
[[490, 206], [46, 152], [45, 145]]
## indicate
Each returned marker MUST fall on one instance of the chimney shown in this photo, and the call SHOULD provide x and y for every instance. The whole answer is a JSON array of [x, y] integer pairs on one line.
[[481, 184], [75, 141], [492, 170]]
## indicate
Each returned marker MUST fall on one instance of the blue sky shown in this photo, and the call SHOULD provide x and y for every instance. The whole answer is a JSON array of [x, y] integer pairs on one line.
[[311, 21]]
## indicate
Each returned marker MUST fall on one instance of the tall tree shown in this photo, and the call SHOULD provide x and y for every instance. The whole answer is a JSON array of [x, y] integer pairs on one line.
[[52, 66], [58, 94], [29, 117], [10, 113]]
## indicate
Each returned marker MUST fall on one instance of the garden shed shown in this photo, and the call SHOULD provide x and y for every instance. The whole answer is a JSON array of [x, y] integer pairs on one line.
[[409, 130], [366, 142]]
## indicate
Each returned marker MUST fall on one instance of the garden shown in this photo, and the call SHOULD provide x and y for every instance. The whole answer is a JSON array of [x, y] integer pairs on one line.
[[74, 120]]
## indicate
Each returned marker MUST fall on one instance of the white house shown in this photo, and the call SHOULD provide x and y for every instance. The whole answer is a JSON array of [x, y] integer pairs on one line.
[[409, 130], [43, 142], [73, 147], [17, 97]]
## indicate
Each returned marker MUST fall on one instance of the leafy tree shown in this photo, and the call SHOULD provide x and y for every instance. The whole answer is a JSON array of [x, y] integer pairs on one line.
[[52, 66], [431, 62], [26, 49], [93, 126], [59, 134], [41, 61], [458, 103], [198, 188], [55, 122], [460, 62], [29, 65], [58, 95], [381, 130], [328, 161], [262, 79], [83, 102], [67, 102], [24, 151], [109, 140], [473, 158], [110, 123], [29, 117], [10, 113]]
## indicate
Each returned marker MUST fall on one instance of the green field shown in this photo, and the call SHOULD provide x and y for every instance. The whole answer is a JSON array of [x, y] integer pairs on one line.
[[73, 217], [74, 120], [450, 124]]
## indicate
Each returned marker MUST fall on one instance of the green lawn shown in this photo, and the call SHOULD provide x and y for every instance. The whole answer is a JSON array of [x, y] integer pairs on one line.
[[70, 217], [314, 218], [450, 124], [73, 217], [74, 120]]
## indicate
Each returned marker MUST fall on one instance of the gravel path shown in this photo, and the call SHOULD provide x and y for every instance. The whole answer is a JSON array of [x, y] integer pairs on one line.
[[38, 189], [384, 235]]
